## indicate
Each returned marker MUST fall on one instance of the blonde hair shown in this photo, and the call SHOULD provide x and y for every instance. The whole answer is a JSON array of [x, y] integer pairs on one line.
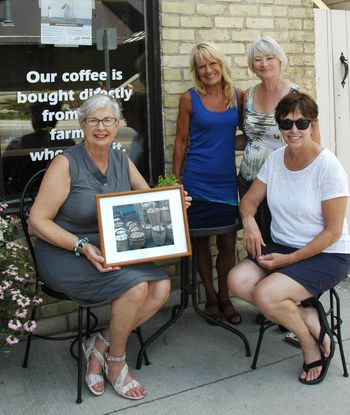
[[268, 46], [210, 52]]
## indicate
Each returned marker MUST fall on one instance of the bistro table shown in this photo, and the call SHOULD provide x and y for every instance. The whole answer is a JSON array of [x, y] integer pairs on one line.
[[205, 219]]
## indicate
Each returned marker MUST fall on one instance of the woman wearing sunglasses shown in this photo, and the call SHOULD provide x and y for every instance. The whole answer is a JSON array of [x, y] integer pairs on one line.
[[309, 250]]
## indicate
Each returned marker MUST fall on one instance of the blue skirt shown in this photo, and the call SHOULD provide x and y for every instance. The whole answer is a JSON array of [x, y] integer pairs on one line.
[[204, 214], [316, 274]]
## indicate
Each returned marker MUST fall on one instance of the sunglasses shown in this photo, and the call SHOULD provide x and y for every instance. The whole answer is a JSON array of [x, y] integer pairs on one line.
[[287, 124]]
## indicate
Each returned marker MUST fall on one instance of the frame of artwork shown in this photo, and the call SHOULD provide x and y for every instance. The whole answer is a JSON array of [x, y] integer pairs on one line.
[[143, 226]]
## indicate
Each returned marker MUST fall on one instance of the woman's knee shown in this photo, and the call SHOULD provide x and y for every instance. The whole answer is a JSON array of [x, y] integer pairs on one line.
[[160, 290], [237, 280], [264, 297], [164, 287], [139, 292], [243, 278], [233, 279]]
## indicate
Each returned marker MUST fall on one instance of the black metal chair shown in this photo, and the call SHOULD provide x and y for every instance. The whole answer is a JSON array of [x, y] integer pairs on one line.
[[335, 325], [27, 199]]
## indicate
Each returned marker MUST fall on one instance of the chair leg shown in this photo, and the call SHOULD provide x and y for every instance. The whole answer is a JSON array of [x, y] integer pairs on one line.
[[80, 354], [88, 322], [336, 323], [29, 342], [260, 339], [139, 336]]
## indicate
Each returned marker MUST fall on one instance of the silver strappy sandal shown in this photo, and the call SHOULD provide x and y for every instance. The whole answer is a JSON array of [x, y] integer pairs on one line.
[[89, 348], [119, 386]]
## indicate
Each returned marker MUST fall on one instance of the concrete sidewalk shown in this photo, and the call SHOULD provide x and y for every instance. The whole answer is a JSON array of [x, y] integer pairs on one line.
[[195, 369]]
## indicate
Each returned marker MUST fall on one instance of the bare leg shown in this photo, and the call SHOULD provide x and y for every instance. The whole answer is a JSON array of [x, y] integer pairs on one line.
[[276, 296], [128, 312], [224, 262], [158, 293], [95, 366], [312, 320], [204, 266], [243, 279]]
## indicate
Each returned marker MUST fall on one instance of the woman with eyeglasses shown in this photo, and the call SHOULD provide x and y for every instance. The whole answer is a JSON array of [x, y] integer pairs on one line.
[[266, 59], [309, 250], [204, 161], [67, 248]]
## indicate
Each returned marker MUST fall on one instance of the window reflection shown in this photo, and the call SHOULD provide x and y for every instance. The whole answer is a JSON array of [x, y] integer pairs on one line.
[[32, 132]]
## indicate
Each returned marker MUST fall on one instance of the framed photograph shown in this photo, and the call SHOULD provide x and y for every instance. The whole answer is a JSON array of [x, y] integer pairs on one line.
[[142, 226]]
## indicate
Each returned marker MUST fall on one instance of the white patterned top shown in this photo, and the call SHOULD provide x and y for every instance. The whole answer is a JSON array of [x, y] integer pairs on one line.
[[263, 137]]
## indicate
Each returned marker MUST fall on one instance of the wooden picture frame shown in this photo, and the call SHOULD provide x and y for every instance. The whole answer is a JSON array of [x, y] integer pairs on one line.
[[143, 226]]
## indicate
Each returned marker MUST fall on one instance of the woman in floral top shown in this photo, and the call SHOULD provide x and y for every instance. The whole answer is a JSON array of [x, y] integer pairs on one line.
[[266, 60]]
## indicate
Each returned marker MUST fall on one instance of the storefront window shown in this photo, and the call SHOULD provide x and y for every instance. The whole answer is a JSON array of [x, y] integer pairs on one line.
[[54, 56]]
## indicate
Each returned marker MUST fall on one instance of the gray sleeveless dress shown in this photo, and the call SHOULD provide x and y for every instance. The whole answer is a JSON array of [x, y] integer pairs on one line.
[[76, 276]]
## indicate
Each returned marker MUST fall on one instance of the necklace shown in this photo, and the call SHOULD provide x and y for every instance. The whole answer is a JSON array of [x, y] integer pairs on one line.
[[102, 163]]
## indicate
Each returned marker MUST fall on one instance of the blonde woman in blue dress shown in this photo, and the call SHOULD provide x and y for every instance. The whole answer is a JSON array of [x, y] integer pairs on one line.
[[208, 117]]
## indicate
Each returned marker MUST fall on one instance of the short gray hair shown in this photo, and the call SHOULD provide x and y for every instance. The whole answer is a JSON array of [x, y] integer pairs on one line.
[[268, 46], [96, 102]]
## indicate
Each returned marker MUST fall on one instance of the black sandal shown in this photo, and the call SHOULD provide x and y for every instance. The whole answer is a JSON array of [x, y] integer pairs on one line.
[[321, 362], [230, 313], [212, 309], [325, 329]]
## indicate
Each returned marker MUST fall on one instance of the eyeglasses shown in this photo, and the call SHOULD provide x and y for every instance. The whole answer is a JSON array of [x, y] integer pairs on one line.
[[287, 124], [94, 122]]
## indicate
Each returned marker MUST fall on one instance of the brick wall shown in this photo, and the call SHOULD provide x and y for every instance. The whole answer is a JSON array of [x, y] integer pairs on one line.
[[233, 25]]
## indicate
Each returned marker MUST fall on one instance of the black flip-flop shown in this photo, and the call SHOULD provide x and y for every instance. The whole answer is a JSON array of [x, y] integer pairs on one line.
[[325, 329], [321, 362]]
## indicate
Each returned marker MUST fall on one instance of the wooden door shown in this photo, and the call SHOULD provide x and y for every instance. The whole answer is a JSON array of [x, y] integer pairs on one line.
[[332, 39]]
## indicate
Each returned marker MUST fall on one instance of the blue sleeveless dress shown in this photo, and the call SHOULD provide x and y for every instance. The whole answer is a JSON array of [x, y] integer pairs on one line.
[[210, 167]]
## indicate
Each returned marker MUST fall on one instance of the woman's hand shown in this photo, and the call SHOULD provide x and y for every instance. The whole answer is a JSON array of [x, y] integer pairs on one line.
[[252, 239], [273, 261], [188, 200], [93, 254]]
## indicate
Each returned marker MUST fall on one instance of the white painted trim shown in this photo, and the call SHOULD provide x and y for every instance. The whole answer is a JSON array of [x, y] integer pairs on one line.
[[320, 4], [324, 77]]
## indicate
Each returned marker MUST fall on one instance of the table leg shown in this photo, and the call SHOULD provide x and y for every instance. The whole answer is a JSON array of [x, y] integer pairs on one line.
[[205, 315], [175, 314]]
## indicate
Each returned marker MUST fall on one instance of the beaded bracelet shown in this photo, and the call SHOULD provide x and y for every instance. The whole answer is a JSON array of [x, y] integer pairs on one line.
[[78, 246]]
